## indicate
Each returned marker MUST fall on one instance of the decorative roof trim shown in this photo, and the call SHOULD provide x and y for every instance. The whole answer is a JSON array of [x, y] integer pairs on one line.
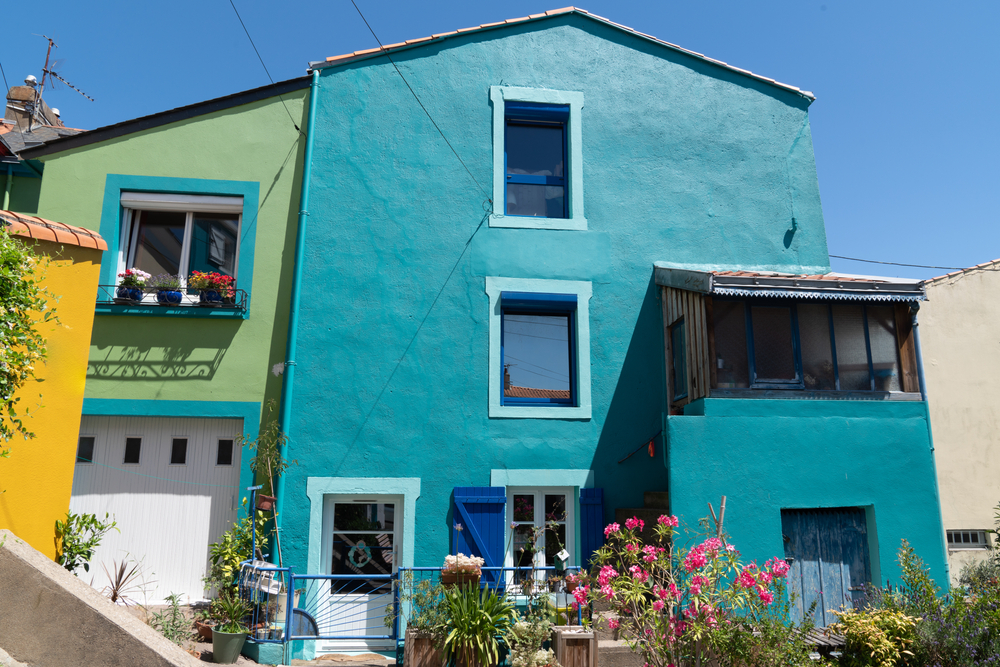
[[335, 61], [823, 296], [48, 230]]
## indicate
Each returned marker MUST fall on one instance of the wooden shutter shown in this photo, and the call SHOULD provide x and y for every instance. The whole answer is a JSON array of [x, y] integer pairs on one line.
[[591, 523], [481, 512]]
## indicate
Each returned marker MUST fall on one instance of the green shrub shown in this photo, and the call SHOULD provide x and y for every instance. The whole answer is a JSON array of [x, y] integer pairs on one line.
[[172, 623], [876, 637], [233, 548], [78, 537]]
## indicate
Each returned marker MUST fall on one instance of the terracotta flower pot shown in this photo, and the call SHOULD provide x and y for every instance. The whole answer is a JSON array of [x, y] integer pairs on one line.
[[204, 630], [460, 579], [265, 503]]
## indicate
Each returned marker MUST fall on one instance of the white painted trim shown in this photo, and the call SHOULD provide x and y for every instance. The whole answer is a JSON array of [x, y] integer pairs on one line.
[[574, 149], [583, 479], [583, 291], [156, 201], [319, 487]]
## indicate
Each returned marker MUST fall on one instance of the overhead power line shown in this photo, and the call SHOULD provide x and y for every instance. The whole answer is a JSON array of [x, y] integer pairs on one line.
[[417, 98], [916, 266]]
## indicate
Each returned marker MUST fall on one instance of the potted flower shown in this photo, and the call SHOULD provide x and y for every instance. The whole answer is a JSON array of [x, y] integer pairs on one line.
[[131, 286], [230, 632], [213, 288], [167, 287], [478, 621], [461, 569], [425, 612]]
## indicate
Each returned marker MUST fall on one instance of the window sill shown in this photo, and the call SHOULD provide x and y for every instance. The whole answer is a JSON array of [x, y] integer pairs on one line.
[[538, 222], [541, 412], [153, 310], [816, 395]]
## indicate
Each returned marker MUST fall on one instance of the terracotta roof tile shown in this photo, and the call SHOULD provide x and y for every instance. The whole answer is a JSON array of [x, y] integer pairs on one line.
[[529, 392], [802, 276], [48, 230], [556, 12], [984, 265]]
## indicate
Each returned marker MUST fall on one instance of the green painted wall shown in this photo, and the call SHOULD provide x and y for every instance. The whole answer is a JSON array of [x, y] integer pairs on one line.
[[184, 358], [766, 455]]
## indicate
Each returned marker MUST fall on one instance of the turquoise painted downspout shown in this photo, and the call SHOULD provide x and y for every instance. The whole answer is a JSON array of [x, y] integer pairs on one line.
[[6, 192], [284, 417]]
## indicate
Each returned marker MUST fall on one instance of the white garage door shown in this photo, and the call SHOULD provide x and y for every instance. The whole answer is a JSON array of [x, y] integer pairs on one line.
[[172, 486]]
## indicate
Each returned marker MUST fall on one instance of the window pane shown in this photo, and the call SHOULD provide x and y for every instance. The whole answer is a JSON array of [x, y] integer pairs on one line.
[[536, 356], [730, 344], [817, 356], [523, 546], [361, 554], [535, 150], [178, 451], [555, 540], [555, 508], [852, 353], [213, 244], [160, 236], [224, 457], [85, 449], [524, 508], [133, 447], [363, 516], [547, 201], [774, 358], [885, 350], [678, 353]]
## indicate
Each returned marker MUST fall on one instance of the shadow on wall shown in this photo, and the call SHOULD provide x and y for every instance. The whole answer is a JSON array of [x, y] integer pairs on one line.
[[151, 350], [635, 416]]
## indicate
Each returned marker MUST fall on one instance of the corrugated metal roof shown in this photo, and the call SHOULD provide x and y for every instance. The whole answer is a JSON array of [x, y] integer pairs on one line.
[[368, 53], [827, 286], [48, 230]]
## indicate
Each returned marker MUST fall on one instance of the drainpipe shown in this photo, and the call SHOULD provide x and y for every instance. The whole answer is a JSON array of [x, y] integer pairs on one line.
[[914, 307], [10, 183], [285, 416]]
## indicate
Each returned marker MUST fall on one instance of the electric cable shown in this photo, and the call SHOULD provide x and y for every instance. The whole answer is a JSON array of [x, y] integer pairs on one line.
[[7, 88], [916, 266]]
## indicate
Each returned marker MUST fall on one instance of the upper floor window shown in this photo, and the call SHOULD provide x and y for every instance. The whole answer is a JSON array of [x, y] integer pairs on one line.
[[535, 147], [537, 158], [179, 234]]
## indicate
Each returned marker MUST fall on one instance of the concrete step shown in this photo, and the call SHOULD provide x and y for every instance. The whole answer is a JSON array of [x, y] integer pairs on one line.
[[657, 499], [601, 628], [614, 653]]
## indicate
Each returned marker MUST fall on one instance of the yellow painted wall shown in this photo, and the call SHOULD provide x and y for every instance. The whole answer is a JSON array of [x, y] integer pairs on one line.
[[38, 476], [961, 349]]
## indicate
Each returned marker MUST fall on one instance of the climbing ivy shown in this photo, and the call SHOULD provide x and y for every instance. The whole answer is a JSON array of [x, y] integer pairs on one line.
[[24, 307]]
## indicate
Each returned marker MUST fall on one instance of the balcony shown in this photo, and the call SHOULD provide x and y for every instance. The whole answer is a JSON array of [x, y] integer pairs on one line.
[[185, 302]]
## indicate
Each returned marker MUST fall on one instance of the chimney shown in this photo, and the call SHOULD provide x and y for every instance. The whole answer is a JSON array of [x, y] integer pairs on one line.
[[506, 378], [21, 104]]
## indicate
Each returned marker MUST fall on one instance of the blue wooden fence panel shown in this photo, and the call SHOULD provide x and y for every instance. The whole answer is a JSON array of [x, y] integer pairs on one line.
[[831, 563], [480, 511], [591, 523]]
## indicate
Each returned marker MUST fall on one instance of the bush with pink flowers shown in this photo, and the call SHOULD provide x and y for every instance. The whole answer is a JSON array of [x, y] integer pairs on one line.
[[678, 606]]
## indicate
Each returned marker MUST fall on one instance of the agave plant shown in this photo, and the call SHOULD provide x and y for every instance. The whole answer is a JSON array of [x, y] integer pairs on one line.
[[478, 621]]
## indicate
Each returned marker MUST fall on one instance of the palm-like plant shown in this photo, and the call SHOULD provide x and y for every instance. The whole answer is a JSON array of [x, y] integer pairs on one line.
[[478, 621]]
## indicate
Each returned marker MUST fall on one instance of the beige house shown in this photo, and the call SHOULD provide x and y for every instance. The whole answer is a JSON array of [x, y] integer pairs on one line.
[[960, 335]]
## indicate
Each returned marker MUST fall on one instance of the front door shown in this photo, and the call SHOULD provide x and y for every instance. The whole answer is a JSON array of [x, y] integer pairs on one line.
[[361, 537], [830, 567]]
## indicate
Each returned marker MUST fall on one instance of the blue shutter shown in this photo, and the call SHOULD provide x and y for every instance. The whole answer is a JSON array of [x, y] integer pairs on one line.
[[481, 511], [591, 523]]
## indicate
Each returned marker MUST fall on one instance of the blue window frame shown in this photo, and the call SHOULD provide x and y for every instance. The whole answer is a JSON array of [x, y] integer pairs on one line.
[[535, 159], [538, 349]]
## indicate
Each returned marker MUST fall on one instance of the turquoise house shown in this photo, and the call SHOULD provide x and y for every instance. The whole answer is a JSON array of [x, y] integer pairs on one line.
[[522, 262]]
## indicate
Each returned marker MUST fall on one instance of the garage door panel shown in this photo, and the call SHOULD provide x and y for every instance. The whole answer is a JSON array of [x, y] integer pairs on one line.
[[167, 514]]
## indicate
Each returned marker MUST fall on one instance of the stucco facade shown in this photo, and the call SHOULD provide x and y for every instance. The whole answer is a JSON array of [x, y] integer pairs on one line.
[[961, 363]]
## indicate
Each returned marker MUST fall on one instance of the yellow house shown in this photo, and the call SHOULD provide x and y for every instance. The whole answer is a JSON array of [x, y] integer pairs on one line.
[[37, 478]]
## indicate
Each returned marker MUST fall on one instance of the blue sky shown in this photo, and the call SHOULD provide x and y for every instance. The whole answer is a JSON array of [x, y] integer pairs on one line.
[[904, 124]]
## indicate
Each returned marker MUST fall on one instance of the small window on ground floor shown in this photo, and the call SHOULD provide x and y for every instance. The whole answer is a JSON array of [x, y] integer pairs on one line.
[[967, 539], [224, 455], [178, 452], [133, 448], [85, 449]]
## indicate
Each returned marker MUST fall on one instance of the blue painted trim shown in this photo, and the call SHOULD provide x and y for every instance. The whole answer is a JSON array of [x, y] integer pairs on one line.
[[161, 311], [111, 213], [248, 411]]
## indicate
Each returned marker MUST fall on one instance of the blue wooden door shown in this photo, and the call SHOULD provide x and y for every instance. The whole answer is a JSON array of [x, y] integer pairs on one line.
[[828, 549]]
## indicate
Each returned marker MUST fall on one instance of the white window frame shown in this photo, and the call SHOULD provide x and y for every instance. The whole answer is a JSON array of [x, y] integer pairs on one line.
[[540, 492], [983, 544], [575, 219], [188, 204], [583, 291], [329, 500]]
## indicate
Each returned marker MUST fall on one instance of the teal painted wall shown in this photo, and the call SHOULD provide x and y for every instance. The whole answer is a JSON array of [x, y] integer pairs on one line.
[[23, 193], [766, 455], [683, 162]]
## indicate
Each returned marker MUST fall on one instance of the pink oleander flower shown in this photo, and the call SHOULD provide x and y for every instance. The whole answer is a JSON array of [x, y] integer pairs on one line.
[[665, 520], [765, 596], [712, 544], [696, 583], [730, 548], [746, 580], [613, 624], [639, 574], [610, 529], [696, 558], [608, 592], [778, 567], [634, 522], [650, 552], [695, 589], [581, 594], [606, 574], [574, 605], [766, 577], [676, 592], [631, 547], [658, 605]]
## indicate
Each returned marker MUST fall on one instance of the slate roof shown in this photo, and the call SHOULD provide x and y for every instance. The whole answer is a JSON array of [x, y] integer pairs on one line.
[[16, 141], [528, 392], [49, 230], [367, 53]]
